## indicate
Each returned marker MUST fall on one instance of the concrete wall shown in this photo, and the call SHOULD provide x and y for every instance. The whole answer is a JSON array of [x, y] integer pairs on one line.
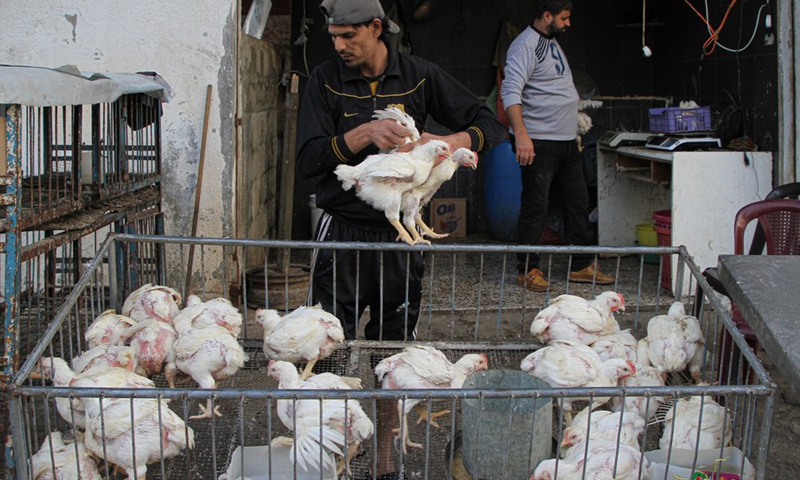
[[191, 44]]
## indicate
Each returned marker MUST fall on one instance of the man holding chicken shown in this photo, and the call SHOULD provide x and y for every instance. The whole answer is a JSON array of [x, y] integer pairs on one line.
[[336, 126], [542, 106]]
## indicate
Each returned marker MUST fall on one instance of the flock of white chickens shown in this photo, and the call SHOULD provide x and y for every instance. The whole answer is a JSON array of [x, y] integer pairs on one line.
[[395, 182], [153, 334], [586, 348]]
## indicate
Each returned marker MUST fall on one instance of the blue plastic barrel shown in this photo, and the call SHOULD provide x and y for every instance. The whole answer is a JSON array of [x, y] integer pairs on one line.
[[503, 189]]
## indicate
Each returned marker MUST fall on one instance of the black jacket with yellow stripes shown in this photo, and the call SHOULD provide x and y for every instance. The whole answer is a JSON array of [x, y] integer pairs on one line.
[[338, 99]]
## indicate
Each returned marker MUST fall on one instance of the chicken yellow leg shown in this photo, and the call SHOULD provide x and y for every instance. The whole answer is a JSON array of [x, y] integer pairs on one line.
[[344, 462], [306, 373], [416, 237], [403, 430], [423, 415], [428, 231], [207, 411], [404, 236]]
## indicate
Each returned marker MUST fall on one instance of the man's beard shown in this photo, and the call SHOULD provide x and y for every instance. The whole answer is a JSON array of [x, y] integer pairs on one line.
[[554, 31]]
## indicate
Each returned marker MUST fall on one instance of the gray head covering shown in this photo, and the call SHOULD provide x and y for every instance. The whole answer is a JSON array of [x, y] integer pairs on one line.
[[353, 12]]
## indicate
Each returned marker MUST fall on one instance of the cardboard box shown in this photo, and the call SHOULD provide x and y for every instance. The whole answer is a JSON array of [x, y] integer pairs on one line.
[[449, 215]]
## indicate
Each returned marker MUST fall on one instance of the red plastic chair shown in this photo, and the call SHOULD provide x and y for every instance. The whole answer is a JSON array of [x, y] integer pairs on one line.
[[779, 221]]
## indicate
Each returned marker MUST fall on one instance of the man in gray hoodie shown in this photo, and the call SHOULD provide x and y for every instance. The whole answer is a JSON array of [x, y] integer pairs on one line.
[[542, 107]]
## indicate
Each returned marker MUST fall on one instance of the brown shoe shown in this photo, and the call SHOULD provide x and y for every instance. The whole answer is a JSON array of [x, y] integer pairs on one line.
[[533, 280], [591, 274]]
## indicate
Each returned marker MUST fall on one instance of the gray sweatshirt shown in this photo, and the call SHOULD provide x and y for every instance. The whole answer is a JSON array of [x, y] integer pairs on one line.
[[538, 77]]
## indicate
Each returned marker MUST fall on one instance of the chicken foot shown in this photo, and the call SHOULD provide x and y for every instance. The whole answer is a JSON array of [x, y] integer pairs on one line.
[[306, 373], [207, 411], [344, 462], [282, 442], [416, 237], [412, 229], [404, 431], [428, 231], [423, 415], [404, 236]]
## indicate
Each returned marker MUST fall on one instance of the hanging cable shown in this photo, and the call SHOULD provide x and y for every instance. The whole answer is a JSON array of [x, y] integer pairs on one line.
[[711, 44], [755, 29], [645, 49]]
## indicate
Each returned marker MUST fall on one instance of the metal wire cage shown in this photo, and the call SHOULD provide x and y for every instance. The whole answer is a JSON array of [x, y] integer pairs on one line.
[[64, 158], [471, 304]]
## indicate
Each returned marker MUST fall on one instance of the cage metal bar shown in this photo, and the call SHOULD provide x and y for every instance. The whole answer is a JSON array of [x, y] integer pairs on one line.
[[764, 387]]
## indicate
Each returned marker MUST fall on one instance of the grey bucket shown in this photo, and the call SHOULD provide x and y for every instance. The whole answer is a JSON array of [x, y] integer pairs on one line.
[[505, 438]]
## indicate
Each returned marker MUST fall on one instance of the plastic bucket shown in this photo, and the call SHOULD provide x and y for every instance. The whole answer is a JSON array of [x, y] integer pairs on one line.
[[663, 228], [646, 235], [502, 192], [505, 438]]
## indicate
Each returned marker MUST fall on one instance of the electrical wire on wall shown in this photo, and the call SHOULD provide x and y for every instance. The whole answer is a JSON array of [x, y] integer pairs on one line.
[[302, 40], [645, 49], [768, 24], [713, 40]]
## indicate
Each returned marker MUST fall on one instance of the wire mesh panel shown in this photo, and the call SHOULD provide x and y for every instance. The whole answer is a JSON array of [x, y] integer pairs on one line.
[[471, 304]]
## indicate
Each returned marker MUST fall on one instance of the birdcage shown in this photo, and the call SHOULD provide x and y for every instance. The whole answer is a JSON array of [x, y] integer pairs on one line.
[[79, 158], [471, 303]]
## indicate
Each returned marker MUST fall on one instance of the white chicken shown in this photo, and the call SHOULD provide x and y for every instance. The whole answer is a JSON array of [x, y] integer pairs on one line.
[[674, 341], [616, 345], [218, 311], [308, 334], [108, 329], [645, 406], [424, 367], [600, 425], [148, 427], [381, 179], [155, 302], [416, 198], [57, 460], [584, 120], [73, 410], [699, 423], [604, 461], [206, 354], [154, 344], [565, 364], [403, 119], [103, 356], [344, 424], [569, 317]]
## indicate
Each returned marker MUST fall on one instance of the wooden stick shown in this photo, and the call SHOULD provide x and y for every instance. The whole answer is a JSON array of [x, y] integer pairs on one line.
[[197, 192], [287, 170]]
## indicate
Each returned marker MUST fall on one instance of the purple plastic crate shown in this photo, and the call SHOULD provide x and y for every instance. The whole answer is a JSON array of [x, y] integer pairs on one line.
[[676, 119]]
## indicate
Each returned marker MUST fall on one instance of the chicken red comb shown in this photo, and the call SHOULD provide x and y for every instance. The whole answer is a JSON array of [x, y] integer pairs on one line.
[[633, 367], [621, 299]]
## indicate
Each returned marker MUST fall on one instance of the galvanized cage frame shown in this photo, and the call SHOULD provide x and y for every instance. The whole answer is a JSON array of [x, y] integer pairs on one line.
[[750, 396]]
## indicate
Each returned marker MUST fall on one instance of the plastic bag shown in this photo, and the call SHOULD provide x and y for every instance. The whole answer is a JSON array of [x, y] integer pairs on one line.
[[256, 20]]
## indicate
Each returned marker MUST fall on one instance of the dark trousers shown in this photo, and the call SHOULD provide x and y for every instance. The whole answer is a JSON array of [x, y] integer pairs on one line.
[[346, 281], [557, 165]]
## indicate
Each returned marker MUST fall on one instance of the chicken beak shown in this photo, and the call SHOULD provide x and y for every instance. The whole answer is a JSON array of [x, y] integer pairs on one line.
[[35, 375], [474, 163]]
